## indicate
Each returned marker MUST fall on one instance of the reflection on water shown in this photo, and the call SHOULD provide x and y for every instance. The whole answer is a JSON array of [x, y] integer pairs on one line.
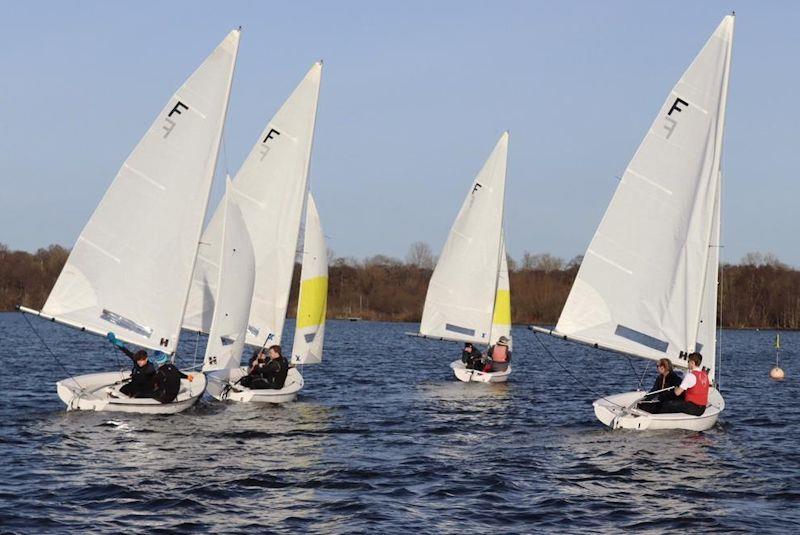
[[383, 438]]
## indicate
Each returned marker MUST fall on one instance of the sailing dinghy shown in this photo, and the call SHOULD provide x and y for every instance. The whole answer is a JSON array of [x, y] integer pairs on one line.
[[468, 297], [271, 191], [131, 267], [647, 286]]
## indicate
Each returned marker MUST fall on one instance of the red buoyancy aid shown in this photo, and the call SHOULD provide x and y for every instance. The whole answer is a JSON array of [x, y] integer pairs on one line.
[[698, 394], [500, 353]]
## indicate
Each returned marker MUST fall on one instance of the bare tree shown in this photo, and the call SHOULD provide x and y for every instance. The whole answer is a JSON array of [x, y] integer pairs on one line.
[[420, 255]]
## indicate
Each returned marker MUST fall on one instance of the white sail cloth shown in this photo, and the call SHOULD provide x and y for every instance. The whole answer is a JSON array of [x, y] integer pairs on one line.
[[130, 269], [501, 317], [461, 294], [271, 189], [647, 284], [313, 296], [235, 289]]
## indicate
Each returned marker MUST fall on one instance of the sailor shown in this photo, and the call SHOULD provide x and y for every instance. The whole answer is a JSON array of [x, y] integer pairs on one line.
[[167, 382], [694, 387], [667, 377], [255, 370], [142, 374], [499, 355], [472, 357], [277, 368]]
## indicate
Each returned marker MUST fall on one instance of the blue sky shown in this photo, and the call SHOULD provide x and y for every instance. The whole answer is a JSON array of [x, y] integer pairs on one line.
[[414, 96]]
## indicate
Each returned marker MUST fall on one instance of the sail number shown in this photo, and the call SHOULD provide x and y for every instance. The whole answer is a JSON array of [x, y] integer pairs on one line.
[[671, 122]]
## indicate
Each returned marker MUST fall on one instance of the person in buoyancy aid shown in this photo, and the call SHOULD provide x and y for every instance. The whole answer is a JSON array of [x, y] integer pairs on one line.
[[472, 357], [499, 355], [667, 377], [140, 384], [167, 382], [694, 388], [255, 370]]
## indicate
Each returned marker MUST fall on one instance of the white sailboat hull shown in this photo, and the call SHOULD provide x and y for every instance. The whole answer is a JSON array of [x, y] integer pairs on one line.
[[613, 411], [473, 376], [96, 391], [230, 391]]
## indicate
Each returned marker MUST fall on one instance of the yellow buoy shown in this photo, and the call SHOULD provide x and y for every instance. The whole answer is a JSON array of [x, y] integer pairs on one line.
[[776, 373]]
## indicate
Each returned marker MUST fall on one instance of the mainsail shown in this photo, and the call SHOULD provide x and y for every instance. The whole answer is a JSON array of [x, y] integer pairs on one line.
[[235, 289], [462, 292], [130, 270], [271, 189], [312, 303], [648, 282]]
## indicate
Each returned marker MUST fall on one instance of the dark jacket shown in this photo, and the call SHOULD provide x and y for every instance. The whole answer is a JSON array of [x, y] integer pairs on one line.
[[168, 383], [275, 372], [471, 356], [673, 378], [141, 376]]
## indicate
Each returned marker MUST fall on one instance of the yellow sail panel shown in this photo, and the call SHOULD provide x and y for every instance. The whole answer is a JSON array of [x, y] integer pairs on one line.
[[313, 302], [502, 308]]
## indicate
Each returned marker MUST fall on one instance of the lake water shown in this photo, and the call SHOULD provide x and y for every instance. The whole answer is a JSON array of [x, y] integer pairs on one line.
[[384, 439]]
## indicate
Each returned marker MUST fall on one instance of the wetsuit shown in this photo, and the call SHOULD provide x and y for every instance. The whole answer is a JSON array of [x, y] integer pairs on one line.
[[168, 383], [473, 360], [141, 382], [255, 375], [275, 373]]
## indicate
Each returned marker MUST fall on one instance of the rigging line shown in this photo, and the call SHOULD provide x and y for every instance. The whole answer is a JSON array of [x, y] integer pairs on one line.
[[50, 350], [635, 373], [196, 345], [575, 377], [641, 381]]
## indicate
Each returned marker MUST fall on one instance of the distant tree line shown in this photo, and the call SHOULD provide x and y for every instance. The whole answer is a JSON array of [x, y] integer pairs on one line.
[[758, 292]]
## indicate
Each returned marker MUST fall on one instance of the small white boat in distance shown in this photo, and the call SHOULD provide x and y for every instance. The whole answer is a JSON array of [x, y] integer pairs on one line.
[[468, 297], [648, 283], [130, 270], [271, 191]]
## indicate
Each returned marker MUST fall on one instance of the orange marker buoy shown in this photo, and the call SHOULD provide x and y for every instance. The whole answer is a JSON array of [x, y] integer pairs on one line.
[[777, 374]]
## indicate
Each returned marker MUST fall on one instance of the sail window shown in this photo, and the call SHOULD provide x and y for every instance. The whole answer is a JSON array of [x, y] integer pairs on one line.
[[126, 323], [641, 338], [459, 330]]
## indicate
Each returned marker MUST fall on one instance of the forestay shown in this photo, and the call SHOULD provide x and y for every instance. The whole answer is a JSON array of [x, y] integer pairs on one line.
[[130, 270], [235, 289], [501, 317], [461, 295], [647, 284], [312, 303], [271, 190]]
